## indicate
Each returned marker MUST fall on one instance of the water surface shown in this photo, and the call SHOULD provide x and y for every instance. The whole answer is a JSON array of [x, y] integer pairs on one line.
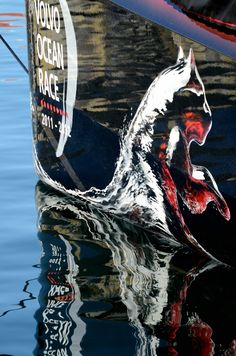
[[18, 237], [76, 281]]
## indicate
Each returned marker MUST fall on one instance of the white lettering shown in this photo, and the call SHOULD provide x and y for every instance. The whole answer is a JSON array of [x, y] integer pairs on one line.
[[39, 46], [50, 51], [43, 14], [40, 79], [37, 11], [57, 24], [48, 16], [58, 290], [58, 57], [48, 84]]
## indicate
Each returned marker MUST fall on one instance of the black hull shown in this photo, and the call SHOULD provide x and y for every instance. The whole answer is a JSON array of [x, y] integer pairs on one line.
[[121, 123]]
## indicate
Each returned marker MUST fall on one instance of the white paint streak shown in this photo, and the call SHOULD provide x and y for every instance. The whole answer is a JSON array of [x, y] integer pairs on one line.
[[72, 75], [136, 186], [173, 140]]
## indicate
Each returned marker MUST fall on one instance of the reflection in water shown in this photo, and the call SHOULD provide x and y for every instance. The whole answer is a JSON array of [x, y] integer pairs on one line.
[[59, 327], [110, 288], [11, 19], [22, 304]]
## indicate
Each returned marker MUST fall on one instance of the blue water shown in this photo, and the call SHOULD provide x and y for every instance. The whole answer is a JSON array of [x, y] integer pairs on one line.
[[18, 235], [75, 281]]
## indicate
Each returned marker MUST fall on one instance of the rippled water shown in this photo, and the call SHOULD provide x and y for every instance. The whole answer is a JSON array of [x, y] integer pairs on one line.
[[18, 235], [108, 288], [76, 281]]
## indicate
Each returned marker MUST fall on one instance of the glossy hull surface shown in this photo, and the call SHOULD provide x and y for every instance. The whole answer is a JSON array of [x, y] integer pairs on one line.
[[135, 118], [207, 22]]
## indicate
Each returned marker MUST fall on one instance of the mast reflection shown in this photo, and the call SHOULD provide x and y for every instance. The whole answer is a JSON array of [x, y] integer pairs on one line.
[[108, 287]]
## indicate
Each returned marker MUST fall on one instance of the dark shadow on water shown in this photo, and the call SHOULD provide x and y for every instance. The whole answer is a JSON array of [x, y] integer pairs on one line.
[[109, 288]]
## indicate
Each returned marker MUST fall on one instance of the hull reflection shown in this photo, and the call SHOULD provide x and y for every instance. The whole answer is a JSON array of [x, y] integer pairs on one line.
[[110, 288], [135, 118]]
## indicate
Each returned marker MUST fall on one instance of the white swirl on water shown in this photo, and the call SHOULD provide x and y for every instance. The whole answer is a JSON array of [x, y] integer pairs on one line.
[[136, 185]]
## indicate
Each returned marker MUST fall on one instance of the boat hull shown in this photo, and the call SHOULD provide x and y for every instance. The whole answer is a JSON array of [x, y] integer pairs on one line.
[[136, 119]]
